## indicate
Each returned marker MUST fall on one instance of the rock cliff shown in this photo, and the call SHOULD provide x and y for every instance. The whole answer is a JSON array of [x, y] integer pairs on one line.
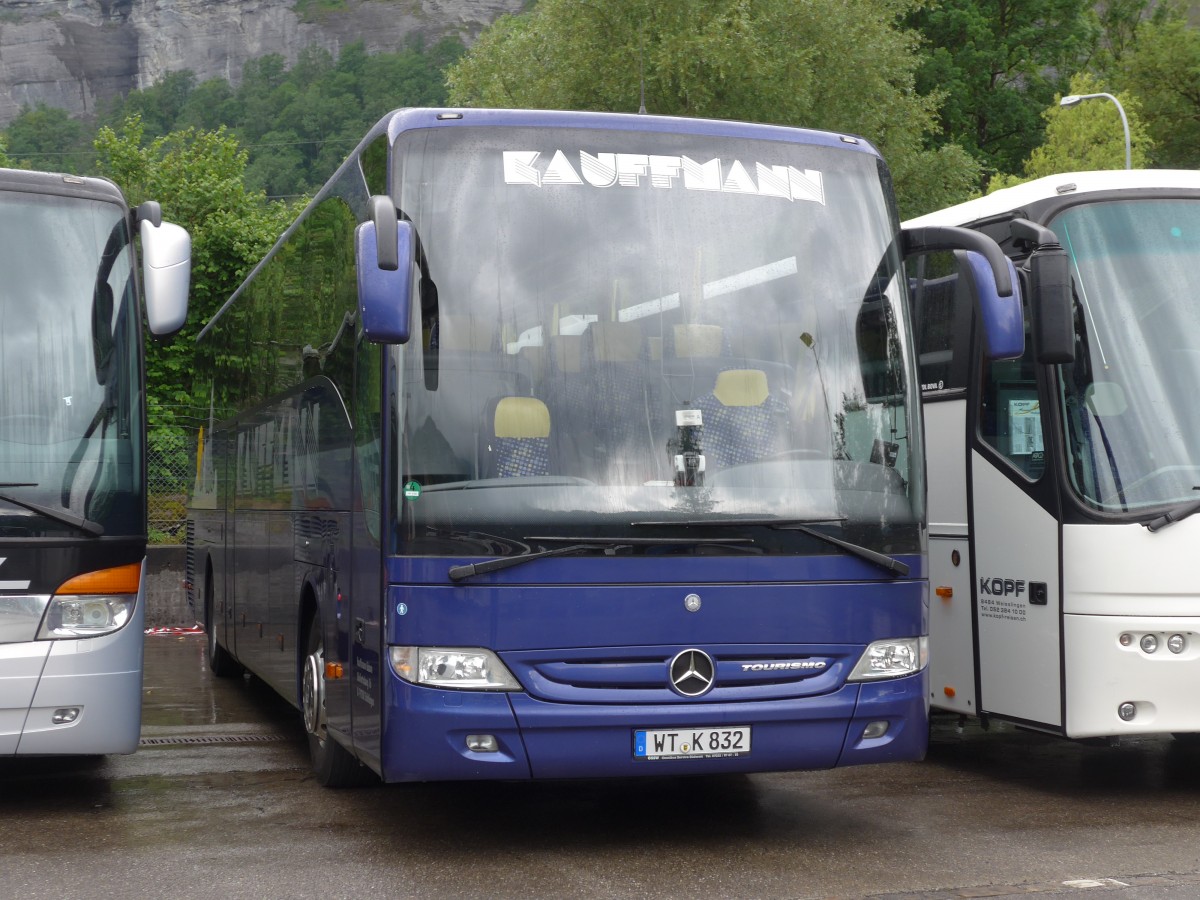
[[75, 54]]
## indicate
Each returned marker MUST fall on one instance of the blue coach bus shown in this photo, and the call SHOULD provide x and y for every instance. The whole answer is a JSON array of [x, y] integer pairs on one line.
[[554, 444]]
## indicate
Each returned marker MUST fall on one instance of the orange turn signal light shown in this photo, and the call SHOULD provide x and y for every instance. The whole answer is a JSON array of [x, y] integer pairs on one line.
[[117, 580], [944, 592], [949, 691], [334, 671]]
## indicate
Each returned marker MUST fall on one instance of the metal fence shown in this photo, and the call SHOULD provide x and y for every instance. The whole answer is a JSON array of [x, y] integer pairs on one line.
[[171, 470]]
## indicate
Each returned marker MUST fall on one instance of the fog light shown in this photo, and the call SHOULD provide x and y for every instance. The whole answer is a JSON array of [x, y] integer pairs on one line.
[[874, 730], [1126, 639], [482, 743], [1149, 643], [1176, 643], [1126, 711], [65, 716]]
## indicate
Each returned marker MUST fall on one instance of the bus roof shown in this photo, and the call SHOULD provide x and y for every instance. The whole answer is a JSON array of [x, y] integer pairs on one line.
[[62, 184], [1067, 184], [405, 119]]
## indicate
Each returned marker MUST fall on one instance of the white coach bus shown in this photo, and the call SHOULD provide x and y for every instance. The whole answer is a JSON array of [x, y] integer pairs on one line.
[[1062, 484]]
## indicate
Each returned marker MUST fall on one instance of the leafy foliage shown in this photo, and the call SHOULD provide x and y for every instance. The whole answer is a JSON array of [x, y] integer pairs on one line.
[[1163, 72], [198, 176], [1085, 137], [847, 67], [43, 137], [297, 124], [999, 63]]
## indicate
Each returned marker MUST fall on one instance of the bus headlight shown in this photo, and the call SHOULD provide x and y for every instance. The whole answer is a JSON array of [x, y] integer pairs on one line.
[[86, 616], [891, 659], [469, 668]]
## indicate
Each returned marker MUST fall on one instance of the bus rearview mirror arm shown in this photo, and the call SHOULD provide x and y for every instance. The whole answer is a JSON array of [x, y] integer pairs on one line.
[[992, 280], [932, 238]]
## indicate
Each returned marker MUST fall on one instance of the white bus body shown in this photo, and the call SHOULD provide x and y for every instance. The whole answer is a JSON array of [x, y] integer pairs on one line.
[[1060, 599]]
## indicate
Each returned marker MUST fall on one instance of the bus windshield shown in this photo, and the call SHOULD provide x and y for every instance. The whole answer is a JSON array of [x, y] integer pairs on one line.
[[624, 333], [1128, 401], [70, 418]]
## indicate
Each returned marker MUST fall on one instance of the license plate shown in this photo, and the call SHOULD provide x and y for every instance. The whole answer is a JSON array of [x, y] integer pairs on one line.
[[691, 743]]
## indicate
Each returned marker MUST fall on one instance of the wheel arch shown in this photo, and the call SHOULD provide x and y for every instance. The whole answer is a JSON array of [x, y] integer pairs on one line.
[[308, 612]]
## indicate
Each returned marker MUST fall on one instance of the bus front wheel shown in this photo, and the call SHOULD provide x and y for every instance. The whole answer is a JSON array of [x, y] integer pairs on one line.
[[332, 763]]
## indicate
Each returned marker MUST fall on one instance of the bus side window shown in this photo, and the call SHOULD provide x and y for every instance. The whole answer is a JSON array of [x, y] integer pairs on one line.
[[1010, 414], [942, 312]]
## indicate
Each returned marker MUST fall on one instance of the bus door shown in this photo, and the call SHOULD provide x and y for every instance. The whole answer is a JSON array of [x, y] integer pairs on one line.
[[1015, 538], [943, 312], [366, 582]]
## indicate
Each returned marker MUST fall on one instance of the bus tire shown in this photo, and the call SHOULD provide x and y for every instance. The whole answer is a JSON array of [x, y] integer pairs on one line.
[[333, 764], [220, 662]]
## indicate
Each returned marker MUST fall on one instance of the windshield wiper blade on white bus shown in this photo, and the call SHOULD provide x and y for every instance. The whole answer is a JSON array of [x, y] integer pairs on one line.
[[1175, 515], [87, 526], [888, 563], [577, 545]]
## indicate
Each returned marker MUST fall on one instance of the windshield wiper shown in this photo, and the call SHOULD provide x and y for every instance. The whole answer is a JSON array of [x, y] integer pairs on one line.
[[87, 526], [1175, 515], [889, 563], [576, 545]]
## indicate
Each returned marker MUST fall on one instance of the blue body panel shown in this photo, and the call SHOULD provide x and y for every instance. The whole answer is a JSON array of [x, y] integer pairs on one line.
[[425, 732], [592, 658]]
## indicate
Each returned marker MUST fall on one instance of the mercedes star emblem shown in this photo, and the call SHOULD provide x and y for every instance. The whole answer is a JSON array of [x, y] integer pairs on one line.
[[692, 673]]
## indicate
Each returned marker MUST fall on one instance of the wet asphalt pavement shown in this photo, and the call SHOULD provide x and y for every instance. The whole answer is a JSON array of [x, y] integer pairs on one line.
[[219, 803]]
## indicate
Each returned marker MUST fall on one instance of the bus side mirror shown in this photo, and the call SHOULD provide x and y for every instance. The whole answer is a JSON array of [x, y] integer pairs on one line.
[[1001, 316], [1051, 305], [384, 250], [166, 271]]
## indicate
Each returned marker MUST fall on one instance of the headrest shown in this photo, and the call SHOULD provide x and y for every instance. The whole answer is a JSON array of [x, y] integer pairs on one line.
[[741, 387], [614, 342], [521, 417], [696, 341]]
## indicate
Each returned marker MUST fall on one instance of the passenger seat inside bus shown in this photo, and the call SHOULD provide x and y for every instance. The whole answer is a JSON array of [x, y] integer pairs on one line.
[[743, 421], [516, 439]]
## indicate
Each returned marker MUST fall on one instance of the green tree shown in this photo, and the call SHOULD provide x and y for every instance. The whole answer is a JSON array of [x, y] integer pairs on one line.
[[159, 106], [413, 77], [1085, 137], [45, 137], [999, 64], [207, 106], [297, 124], [1163, 71], [198, 176], [847, 67]]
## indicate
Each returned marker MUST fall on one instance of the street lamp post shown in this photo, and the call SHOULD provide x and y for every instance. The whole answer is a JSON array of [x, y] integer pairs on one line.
[[1076, 99]]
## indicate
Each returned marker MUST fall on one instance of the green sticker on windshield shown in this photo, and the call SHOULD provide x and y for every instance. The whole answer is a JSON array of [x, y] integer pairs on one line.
[[412, 490]]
